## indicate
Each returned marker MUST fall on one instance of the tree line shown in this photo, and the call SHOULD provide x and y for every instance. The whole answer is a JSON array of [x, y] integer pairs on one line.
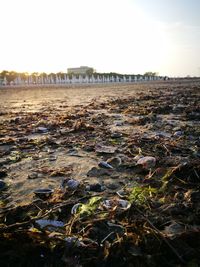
[[12, 75]]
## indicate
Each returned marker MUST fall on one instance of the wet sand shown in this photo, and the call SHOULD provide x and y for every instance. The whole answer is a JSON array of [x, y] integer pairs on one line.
[[25, 150], [124, 163]]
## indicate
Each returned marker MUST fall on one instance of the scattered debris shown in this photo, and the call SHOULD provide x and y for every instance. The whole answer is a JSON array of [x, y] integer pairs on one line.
[[70, 184], [104, 164], [147, 162], [101, 149], [44, 223], [97, 187], [43, 192], [113, 214], [120, 204], [42, 130]]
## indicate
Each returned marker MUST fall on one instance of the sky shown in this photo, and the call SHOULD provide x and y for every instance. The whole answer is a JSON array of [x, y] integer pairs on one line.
[[123, 36]]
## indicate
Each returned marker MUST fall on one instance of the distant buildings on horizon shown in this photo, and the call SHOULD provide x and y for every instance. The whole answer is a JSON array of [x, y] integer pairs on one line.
[[79, 75], [80, 70]]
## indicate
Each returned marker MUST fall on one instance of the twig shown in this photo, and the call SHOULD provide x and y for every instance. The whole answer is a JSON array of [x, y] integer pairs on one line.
[[105, 238], [21, 224], [161, 235], [166, 149], [69, 228], [196, 174], [16, 225]]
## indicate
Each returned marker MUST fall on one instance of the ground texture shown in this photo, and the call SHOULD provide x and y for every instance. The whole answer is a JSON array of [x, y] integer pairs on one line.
[[123, 163]]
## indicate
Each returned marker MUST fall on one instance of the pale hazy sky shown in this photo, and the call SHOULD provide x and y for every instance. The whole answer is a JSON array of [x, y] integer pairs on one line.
[[125, 36]]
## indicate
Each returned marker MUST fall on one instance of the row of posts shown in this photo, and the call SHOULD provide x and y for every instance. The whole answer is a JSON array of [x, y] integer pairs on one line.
[[80, 79]]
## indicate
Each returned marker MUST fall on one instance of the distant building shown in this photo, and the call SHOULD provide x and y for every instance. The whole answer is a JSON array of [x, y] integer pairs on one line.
[[81, 70]]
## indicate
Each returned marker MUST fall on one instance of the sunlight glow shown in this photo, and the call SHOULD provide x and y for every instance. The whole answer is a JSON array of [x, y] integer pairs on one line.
[[109, 35]]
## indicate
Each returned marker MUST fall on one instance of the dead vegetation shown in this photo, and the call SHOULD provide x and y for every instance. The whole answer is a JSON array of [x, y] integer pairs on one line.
[[147, 215]]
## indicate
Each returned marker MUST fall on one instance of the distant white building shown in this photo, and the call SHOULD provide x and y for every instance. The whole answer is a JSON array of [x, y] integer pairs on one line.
[[81, 70]]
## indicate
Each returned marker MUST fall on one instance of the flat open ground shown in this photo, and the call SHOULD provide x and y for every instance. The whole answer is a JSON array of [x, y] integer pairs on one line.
[[51, 135]]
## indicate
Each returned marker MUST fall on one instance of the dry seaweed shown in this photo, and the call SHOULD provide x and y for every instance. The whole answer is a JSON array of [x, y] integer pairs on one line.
[[142, 216]]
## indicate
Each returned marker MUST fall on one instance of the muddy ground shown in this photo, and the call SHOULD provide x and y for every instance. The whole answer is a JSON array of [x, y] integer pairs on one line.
[[123, 165]]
